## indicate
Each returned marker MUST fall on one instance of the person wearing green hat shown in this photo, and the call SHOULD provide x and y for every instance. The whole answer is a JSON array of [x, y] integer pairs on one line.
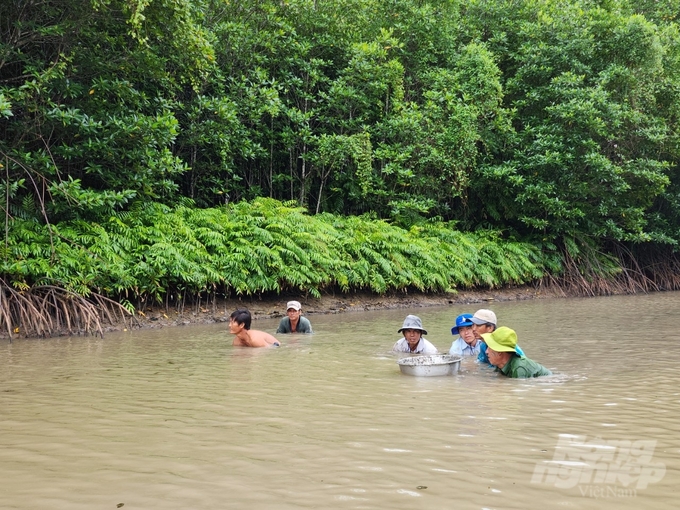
[[500, 348], [484, 321]]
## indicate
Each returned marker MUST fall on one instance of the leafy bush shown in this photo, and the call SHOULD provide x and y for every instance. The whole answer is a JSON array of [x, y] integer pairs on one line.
[[257, 247]]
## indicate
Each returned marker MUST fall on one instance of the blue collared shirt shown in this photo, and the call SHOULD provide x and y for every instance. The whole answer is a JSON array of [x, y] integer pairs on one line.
[[460, 348]]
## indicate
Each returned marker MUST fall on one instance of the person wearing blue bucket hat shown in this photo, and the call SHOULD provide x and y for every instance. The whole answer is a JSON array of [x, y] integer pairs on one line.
[[413, 340], [466, 344]]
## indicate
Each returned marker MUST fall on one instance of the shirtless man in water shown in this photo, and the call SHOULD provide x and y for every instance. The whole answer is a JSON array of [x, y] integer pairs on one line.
[[239, 325]]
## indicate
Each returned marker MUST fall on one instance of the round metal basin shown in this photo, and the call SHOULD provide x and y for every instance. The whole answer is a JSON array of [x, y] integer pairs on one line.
[[429, 366]]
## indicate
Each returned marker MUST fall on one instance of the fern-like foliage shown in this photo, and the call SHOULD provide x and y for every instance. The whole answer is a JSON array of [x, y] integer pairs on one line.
[[255, 247]]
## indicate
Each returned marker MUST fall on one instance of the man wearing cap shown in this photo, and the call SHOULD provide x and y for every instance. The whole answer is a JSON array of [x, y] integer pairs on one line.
[[413, 340], [484, 321], [500, 349], [466, 344], [294, 322]]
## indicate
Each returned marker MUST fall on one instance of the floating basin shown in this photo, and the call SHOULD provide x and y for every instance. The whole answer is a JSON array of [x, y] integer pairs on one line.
[[429, 366]]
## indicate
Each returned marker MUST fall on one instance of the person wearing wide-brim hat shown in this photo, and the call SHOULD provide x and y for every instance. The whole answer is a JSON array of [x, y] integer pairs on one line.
[[484, 321], [466, 344], [413, 340], [294, 322], [500, 348]]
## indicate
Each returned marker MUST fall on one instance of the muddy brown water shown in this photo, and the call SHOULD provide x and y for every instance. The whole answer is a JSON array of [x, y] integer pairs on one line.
[[179, 419]]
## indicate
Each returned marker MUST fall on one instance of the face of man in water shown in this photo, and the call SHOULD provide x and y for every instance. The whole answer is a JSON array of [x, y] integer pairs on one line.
[[478, 329], [467, 335], [497, 359], [234, 327], [412, 336]]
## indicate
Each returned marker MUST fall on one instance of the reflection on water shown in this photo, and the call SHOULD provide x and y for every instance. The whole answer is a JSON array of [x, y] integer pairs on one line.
[[178, 418]]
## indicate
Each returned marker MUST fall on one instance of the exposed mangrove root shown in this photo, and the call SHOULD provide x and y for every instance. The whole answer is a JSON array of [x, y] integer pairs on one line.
[[47, 310], [662, 267], [622, 271]]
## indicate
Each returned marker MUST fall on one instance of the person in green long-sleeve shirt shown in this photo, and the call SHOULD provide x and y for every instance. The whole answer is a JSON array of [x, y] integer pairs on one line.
[[501, 352]]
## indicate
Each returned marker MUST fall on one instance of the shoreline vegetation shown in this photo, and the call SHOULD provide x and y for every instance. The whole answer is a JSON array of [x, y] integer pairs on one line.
[[164, 266], [162, 158], [182, 265], [108, 317]]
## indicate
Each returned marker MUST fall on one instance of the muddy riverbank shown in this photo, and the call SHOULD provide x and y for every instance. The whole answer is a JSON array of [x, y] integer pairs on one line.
[[275, 306]]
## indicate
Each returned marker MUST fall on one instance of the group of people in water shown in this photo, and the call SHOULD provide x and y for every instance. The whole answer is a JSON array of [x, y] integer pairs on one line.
[[477, 336], [293, 322]]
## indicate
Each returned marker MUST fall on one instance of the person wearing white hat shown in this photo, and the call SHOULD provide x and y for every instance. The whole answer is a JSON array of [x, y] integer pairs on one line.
[[294, 322], [484, 322], [413, 340]]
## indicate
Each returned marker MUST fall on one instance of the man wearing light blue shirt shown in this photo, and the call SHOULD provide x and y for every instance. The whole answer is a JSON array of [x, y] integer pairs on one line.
[[466, 344]]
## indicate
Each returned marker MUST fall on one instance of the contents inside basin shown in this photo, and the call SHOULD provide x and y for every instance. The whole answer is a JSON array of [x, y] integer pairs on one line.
[[427, 366]]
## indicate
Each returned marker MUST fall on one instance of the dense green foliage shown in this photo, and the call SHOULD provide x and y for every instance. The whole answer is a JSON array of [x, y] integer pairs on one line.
[[458, 126], [263, 246]]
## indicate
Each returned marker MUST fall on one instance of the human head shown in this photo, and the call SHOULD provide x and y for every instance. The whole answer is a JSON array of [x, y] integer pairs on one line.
[[463, 328], [293, 308], [412, 322], [462, 320], [483, 321], [500, 346], [503, 339], [241, 316], [412, 330]]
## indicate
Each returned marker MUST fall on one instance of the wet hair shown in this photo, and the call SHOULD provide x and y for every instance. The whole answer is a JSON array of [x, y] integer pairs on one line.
[[242, 316]]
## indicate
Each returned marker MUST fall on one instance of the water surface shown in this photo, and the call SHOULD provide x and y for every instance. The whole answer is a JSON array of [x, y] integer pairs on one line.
[[179, 419]]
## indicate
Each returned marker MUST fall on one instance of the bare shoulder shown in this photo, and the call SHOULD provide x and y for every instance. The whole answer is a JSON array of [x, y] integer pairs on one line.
[[263, 337]]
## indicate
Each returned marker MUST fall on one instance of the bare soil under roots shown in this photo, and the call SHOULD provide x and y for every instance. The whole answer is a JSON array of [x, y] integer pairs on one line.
[[275, 306]]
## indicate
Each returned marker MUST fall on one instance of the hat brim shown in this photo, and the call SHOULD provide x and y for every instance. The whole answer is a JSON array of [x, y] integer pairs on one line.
[[417, 329], [456, 331], [492, 344], [479, 322]]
